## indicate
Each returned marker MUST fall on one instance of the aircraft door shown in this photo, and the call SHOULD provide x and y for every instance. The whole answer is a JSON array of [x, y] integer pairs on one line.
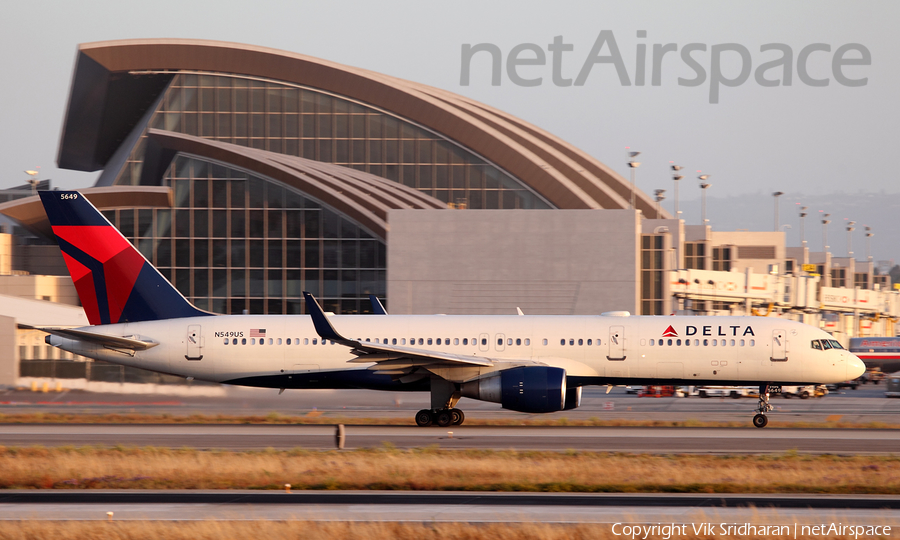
[[779, 346], [616, 343], [500, 340], [484, 343], [194, 343]]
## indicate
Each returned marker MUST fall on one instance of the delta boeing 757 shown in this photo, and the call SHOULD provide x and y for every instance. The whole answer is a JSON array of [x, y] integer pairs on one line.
[[529, 363]]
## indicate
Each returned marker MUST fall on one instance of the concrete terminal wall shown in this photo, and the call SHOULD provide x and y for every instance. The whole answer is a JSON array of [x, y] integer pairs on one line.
[[9, 358], [551, 262]]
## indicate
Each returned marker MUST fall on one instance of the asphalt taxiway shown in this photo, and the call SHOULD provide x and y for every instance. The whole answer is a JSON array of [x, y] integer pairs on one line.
[[446, 507], [603, 439]]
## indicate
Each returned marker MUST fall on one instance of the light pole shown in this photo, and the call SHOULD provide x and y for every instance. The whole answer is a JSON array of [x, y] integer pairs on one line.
[[825, 222], [703, 185], [632, 164], [676, 177], [869, 235], [775, 196], [659, 198], [802, 220], [850, 230], [33, 181]]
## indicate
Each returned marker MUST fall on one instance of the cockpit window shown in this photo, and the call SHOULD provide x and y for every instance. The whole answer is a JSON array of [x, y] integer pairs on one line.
[[835, 344], [816, 344], [826, 343]]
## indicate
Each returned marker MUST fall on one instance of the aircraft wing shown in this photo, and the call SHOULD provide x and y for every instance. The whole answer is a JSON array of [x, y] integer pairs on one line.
[[387, 356], [114, 342]]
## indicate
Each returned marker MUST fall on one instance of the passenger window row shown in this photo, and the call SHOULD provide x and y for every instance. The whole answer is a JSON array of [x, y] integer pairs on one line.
[[274, 341], [704, 343], [455, 341], [573, 341]]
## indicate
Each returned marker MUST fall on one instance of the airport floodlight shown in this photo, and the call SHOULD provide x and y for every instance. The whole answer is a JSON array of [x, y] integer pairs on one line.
[[633, 165], [869, 235], [703, 186], [659, 198], [676, 178], [825, 222], [32, 173], [802, 224], [775, 196], [850, 229], [677, 167]]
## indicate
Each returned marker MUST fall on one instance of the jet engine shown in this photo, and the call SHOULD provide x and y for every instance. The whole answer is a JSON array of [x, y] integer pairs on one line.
[[532, 389]]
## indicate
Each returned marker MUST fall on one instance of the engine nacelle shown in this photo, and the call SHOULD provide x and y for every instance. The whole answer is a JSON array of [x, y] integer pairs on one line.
[[573, 399], [534, 389]]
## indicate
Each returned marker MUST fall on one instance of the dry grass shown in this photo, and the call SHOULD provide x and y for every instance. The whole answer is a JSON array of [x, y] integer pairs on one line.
[[274, 530], [434, 469], [278, 530], [320, 418]]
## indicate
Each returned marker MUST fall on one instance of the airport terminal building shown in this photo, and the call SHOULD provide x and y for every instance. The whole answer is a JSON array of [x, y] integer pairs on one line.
[[282, 168], [247, 175]]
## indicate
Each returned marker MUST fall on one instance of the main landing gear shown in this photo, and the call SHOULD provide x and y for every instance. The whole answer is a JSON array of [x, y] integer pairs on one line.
[[762, 407], [441, 417], [443, 412]]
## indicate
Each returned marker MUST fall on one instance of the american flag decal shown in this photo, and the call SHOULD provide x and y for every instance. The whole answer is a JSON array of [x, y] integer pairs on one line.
[[257, 332]]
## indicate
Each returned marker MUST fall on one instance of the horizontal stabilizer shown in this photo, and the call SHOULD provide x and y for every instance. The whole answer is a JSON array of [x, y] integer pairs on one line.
[[115, 342]]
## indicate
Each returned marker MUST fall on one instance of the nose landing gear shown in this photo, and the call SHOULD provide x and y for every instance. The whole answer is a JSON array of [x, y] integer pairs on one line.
[[760, 420]]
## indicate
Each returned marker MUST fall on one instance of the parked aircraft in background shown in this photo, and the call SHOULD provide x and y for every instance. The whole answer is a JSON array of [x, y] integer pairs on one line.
[[534, 364]]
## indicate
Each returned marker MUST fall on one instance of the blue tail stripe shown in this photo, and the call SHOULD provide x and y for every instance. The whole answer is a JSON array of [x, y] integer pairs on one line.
[[76, 210], [154, 298]]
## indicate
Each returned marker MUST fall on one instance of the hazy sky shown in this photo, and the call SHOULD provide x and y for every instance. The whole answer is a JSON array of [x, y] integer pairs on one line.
[[800, 139]]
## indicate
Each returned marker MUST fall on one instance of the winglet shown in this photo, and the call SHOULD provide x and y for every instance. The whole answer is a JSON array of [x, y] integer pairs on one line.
[[377, 306], [320, 321]]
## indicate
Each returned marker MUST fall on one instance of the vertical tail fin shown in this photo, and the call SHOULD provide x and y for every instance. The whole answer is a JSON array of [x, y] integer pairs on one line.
[[114, 281]]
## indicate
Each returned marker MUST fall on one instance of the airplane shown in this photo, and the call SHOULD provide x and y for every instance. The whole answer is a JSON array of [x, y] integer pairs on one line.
[[528, 363]]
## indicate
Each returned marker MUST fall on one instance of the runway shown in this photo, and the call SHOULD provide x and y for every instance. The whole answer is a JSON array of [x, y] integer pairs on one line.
[[864, 405], [602, 439], [444, 506]]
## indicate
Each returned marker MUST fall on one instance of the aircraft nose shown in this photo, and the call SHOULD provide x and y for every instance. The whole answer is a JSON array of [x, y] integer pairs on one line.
[[855, 367]]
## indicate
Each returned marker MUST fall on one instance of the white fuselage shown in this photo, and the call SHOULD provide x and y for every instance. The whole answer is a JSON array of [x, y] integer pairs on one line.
[[592, 349]]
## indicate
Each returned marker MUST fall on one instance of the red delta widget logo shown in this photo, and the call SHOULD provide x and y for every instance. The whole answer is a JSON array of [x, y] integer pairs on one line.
[[710, 330]]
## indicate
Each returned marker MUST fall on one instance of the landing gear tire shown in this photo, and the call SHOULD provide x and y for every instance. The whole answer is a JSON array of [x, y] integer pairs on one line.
[[458, 416], [762, 407], [424, 418], [443, 418]]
